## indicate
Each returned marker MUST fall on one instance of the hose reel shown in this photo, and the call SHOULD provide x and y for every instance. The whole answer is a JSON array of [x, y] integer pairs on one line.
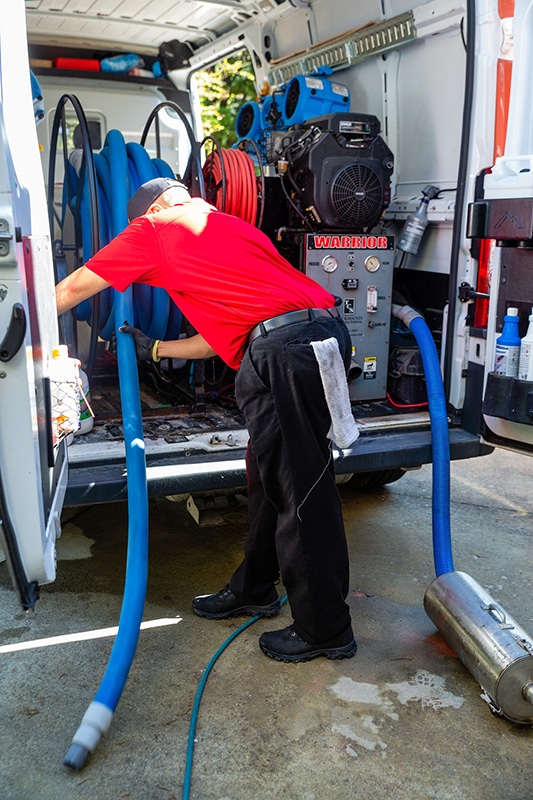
[[90, 198]]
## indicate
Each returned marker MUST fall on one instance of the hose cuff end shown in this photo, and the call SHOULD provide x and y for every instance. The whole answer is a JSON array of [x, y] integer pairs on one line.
[[94, 724], [405, 313]]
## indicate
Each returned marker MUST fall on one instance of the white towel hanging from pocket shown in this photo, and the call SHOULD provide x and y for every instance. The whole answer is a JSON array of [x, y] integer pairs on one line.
[[343, 430]]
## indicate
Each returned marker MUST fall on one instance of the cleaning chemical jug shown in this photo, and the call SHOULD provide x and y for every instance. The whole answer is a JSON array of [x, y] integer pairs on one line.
[[64, 391], [525, 364], [508, 346]]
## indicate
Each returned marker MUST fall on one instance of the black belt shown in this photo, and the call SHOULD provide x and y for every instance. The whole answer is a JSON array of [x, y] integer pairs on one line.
[[301, 315]]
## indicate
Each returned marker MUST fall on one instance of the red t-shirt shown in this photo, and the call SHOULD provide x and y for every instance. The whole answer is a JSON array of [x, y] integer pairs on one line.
[[224, 274]]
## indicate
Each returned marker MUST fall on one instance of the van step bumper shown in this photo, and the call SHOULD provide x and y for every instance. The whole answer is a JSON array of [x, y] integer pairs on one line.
[[175, 474]]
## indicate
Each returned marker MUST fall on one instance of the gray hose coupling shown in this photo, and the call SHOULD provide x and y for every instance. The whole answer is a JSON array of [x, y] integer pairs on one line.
[[94, 724], [405, 313]]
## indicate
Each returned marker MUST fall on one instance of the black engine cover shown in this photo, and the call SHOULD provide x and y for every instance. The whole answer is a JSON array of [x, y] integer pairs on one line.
[[344, 174]]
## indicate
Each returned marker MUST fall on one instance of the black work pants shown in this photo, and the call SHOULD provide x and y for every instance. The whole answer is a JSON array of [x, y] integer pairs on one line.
[[295, 512]]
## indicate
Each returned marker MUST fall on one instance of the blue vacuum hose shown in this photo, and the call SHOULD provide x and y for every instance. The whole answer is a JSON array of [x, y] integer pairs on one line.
[[442, 546], [489, 642], [97, 718]]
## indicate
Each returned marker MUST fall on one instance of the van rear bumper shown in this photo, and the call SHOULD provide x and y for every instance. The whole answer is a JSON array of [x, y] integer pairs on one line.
[[177, 473]]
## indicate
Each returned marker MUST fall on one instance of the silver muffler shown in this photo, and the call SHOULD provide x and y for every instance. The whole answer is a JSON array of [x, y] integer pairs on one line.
[[491, 645]]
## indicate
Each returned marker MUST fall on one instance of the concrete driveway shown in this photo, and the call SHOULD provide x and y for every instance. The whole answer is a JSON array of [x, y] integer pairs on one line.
[[401, 720]]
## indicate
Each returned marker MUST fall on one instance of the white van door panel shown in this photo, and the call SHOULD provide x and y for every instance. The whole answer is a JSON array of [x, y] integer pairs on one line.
[[32, 469]]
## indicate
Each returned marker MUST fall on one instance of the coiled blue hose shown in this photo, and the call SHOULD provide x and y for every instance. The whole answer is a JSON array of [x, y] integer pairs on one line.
[[442, 546], [128, 165]]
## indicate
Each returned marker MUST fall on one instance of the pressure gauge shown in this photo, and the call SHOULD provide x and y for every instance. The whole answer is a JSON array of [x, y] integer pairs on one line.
[[372, 263], [329, 263]]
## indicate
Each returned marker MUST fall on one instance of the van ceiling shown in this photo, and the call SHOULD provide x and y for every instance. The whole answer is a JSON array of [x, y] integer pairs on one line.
[[139, 25]]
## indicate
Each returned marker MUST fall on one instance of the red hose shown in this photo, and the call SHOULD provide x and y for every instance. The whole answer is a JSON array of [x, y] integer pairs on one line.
[[240, 195], [405, 405]]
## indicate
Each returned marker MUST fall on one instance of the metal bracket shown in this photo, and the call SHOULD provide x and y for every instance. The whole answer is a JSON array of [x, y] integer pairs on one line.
[[496, 710], [524, 644], [467, 293]]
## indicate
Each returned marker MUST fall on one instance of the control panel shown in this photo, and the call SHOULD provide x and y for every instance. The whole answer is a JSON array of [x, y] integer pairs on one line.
[[358, 269]]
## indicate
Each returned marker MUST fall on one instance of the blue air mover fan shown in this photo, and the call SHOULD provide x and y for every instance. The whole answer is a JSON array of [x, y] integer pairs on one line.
[[248, 123], [308, 96]]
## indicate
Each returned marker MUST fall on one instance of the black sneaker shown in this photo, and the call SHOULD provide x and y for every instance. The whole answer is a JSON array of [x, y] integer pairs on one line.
[[286, 645], [225, 604]]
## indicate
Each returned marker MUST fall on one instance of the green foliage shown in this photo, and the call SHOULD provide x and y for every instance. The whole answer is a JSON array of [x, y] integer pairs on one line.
[[223, 89]]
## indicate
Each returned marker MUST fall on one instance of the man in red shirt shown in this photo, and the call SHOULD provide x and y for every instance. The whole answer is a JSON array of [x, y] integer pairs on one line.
[[260, 315]]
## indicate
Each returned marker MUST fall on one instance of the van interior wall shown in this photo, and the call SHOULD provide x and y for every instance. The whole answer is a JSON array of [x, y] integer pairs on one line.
[[417, 94]]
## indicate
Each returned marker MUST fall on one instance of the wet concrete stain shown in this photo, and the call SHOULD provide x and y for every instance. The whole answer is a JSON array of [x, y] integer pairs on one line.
[[365, 724]]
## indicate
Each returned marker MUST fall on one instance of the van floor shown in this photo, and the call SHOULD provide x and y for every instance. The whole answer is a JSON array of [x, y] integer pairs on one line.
[[172, 409]]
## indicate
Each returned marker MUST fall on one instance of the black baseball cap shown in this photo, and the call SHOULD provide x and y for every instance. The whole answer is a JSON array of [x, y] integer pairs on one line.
[[147, 193]]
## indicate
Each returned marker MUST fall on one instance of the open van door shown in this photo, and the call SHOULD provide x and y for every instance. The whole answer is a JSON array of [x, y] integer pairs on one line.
[[503, 219], [33, 464]]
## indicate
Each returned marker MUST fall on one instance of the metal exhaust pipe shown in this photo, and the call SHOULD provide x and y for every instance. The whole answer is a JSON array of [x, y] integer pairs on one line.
[[491, 645]]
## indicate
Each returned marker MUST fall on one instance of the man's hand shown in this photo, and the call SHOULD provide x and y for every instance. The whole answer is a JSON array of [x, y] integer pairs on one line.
[[153, 349], [144, 345]]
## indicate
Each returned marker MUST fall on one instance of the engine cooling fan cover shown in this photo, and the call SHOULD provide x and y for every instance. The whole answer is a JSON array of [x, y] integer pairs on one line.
[[347, 193], [356, 194]]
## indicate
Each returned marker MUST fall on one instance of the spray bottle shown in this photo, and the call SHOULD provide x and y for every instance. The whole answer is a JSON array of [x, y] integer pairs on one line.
[[86, 412], [508, 346], [525, 364], [416, 224]]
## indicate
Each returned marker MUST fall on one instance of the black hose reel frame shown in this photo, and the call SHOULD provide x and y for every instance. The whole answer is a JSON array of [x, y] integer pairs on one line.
[[193, 171], [67, 326]]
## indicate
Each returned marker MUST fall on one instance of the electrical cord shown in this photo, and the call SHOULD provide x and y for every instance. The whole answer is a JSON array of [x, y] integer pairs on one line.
[[405, 405]]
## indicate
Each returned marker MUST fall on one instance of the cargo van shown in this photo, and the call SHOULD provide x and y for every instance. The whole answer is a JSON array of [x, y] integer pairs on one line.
[[385, 148]]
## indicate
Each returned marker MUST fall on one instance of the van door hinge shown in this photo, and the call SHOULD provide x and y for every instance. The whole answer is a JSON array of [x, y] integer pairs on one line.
[[5, 237]]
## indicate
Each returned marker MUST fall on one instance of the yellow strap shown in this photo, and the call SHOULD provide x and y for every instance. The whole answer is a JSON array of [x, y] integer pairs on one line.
[[155, 357]]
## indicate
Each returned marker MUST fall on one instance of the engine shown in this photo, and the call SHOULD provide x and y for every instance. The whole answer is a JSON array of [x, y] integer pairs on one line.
[[338, 170]]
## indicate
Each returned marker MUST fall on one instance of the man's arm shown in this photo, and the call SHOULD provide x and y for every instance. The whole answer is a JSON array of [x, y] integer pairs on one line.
[[190, 348], [148, 348], [78, 286], [82, 283]]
